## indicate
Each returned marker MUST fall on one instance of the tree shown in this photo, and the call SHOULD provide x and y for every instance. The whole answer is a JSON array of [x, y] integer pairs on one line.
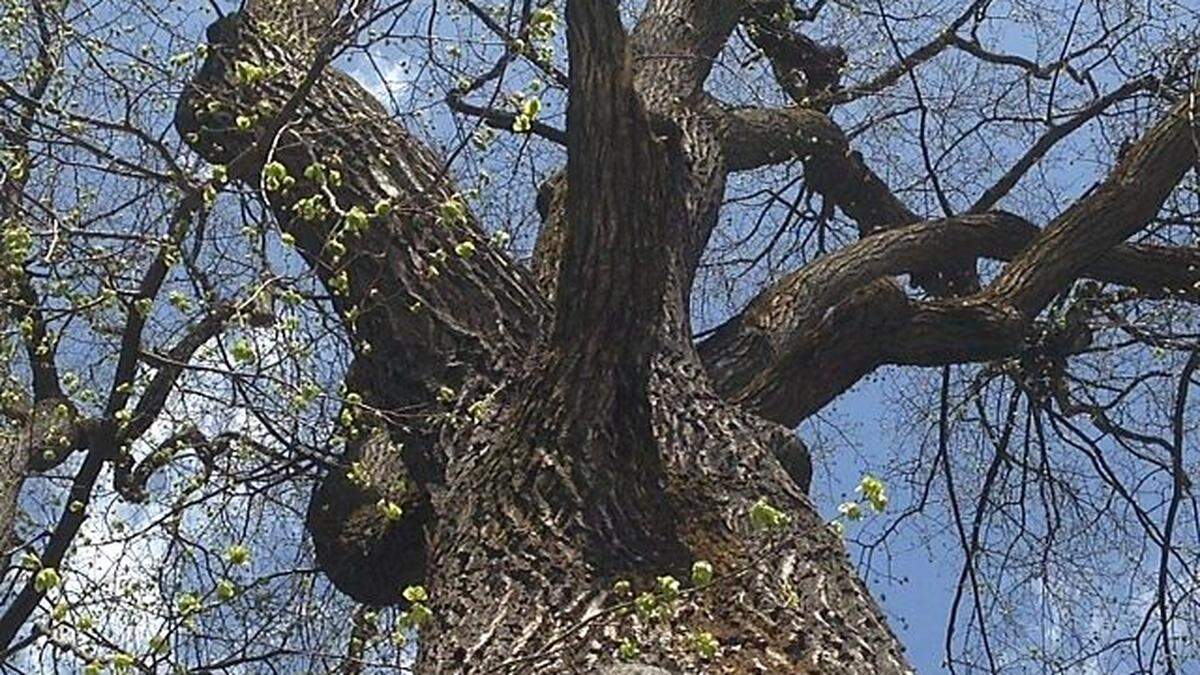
[[542, 467]]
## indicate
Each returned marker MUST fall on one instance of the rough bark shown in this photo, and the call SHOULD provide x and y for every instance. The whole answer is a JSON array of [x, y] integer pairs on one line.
[[424, 317]]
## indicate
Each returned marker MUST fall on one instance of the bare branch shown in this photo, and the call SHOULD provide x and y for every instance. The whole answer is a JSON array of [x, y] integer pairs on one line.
[[838, 318], [1053, 136]]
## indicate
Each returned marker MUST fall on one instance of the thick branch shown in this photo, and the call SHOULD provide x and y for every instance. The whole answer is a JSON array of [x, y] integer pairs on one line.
[[766, 357], [432, 306], [675, 43], [1124, 203], [756, 137], [419, 275], [833, 319], [618, 209]]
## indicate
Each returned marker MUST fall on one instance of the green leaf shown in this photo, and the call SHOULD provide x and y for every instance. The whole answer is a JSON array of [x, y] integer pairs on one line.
[[851, 510], [668, 587], [531, 107], [767, 517], [417, 615], [315, 172], [453, 211], [188, 604], [340, 283], [628, 650], [465, 249], [159, 644], [356, 220], [416, 594], [122, 662], [874, 491], [242, 351], [179, 301], [248, 73], [46, 579], [238, 554], [706, 645], [275, 176], [390, 510], [645, 604], [143, 306]]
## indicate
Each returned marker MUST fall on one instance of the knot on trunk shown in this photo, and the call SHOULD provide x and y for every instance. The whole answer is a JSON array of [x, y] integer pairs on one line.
[[793, 456], [367, 523], [251, 68]]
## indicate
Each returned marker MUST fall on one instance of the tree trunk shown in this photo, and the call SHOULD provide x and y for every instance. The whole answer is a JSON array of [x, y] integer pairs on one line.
[[561, 450], [545, 515], [603, 458]]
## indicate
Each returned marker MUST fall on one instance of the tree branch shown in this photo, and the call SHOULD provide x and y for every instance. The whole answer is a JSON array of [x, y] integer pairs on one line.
[[1124, 203], [756, 137], [69, 521], [1052, 136], [817, 331], [802, 67], [618, 208]]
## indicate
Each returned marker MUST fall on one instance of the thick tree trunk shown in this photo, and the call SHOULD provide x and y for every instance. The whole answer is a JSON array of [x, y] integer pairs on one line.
[[541, 524], [600, 459]]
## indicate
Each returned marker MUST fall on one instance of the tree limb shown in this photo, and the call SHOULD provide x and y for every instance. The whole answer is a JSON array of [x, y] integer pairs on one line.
[[618, 209], [1128, 198], [437, 308], [1052, 136], [836, 320]]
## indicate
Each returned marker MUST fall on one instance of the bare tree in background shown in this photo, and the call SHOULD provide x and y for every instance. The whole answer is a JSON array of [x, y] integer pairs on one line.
[[542, 466]]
